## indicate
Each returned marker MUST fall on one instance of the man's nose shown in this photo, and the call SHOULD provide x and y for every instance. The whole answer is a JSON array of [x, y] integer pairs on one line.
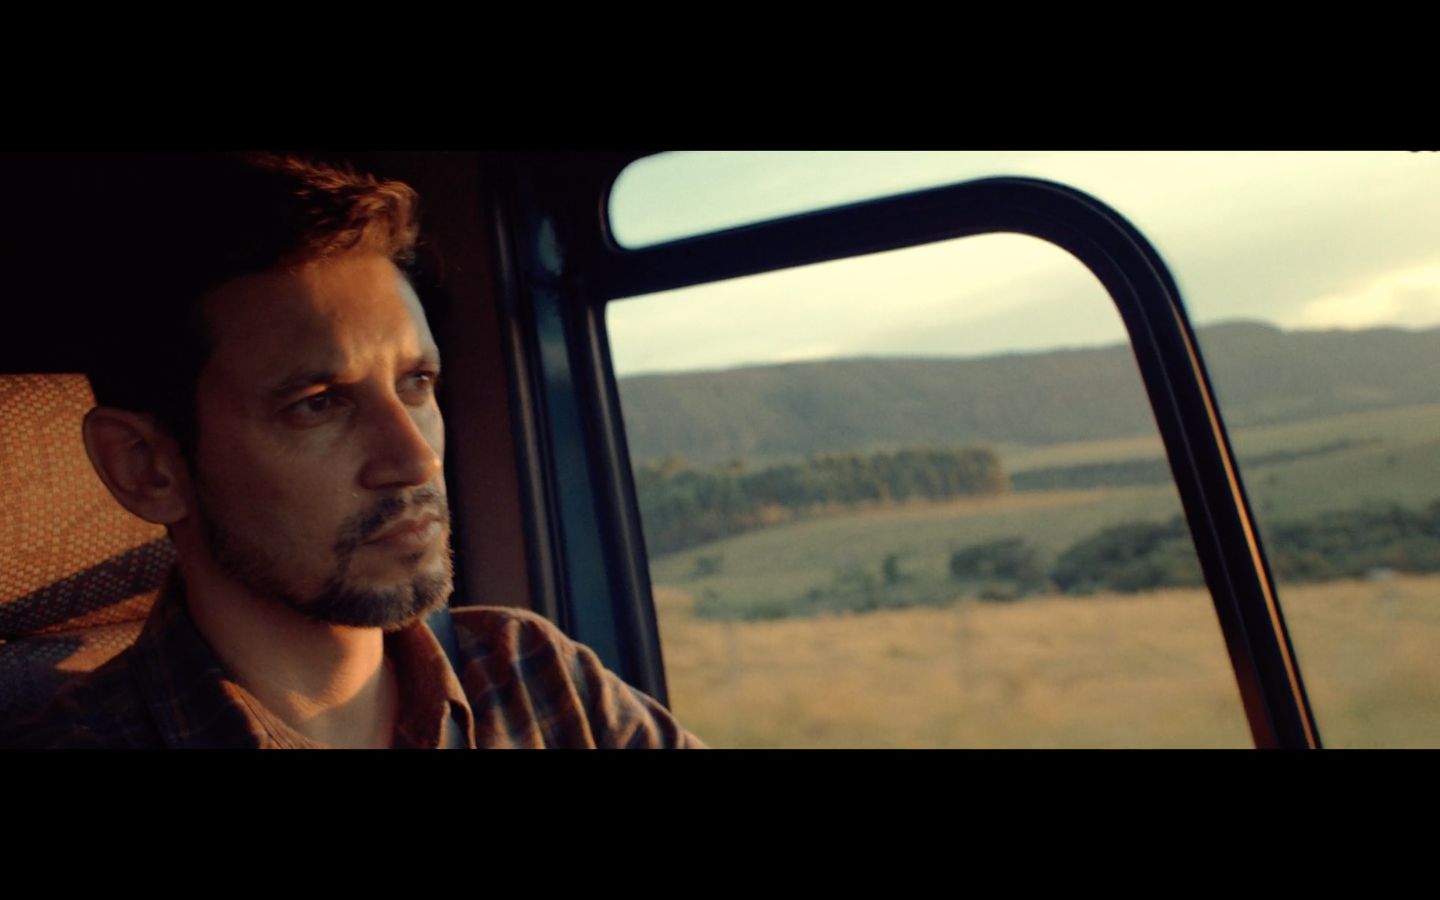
[[404, 448]]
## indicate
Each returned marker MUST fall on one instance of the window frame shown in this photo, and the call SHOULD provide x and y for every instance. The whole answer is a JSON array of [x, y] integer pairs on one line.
[[561, 267]]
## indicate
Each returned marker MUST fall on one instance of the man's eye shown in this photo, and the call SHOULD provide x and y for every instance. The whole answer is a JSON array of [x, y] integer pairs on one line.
[[420, 383], [311, 409]]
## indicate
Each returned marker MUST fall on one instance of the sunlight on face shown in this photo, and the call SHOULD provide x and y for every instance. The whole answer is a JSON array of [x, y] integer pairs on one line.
[[318, 471]]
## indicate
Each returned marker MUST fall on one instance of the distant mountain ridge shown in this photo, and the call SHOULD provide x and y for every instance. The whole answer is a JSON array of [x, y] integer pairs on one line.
[[1262, 375]]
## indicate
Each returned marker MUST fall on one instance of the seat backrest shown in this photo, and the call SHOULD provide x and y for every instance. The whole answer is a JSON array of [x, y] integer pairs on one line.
[[78, 573]]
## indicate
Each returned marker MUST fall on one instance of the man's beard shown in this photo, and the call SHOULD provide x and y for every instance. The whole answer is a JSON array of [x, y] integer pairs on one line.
[[337, 602]]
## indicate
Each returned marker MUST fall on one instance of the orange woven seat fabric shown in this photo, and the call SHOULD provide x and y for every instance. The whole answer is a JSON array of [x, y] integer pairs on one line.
[[78, 573]]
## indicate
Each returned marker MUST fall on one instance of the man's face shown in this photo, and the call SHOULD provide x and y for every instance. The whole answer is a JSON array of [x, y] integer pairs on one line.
[[318, 477]]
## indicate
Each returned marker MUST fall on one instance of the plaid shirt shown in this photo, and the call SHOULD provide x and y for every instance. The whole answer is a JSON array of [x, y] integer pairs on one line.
[[522, 683]]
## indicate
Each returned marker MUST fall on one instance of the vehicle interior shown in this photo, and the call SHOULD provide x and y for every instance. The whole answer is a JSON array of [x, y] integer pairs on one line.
[[558, 482]]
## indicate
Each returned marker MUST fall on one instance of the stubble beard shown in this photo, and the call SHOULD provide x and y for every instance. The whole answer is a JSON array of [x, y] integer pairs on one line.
[[339, 602]]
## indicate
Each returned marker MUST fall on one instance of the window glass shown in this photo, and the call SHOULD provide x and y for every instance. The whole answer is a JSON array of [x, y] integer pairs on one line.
[[873, 523], [1334, 411], [1314, 282]]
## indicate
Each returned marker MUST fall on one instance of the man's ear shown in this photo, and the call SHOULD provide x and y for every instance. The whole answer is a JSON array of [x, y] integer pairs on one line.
[[139, 462]]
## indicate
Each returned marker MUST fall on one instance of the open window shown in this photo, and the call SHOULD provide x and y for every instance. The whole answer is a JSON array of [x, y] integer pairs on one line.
[[569, 269]]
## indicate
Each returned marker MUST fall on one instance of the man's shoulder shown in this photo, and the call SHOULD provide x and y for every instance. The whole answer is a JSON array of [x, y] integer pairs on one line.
[[501, 641], [521, 665], [489, 624], [103, 709]]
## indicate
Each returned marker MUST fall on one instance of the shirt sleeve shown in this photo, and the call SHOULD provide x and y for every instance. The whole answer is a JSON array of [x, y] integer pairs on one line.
[[530, 685], [621, 716]]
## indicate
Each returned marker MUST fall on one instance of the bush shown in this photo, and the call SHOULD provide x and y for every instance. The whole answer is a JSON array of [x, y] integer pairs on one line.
[[999, 570], [890, 570], [1140, 556], [706, 566], [1351, 543], [1135, 556]]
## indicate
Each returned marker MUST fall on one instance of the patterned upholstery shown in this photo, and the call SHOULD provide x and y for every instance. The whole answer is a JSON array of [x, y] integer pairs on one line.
[[77, 572]]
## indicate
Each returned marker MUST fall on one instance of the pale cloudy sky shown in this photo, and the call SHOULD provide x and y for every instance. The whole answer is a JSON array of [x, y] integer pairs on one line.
[[1303, 240]]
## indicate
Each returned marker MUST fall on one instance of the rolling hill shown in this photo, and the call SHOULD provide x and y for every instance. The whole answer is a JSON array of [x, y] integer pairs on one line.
[[1262, 375]]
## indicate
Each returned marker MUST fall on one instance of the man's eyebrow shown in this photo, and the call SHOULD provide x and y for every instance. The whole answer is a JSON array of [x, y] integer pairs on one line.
[[305, 378], [300, 380], [428, 358]]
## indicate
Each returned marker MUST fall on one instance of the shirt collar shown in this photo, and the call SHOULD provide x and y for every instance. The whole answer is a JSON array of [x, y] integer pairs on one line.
[[430, 694], [195, 703]]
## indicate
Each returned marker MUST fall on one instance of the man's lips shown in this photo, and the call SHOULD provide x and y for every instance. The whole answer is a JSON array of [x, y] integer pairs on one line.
[[417, 531]]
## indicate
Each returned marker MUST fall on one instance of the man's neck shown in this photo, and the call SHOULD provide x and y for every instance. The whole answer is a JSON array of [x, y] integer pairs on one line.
[[330, 683]]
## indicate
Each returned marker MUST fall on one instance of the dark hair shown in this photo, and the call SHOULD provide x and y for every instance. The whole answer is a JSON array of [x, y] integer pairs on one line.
[[196, 222]]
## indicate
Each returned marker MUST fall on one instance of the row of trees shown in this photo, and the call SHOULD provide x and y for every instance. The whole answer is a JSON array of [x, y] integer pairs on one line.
[[1128, 472], [1140, 556], [1126, 558], [683, 506]]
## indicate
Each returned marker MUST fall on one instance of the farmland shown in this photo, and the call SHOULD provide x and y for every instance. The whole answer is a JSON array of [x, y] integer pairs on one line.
[[1144, 669]]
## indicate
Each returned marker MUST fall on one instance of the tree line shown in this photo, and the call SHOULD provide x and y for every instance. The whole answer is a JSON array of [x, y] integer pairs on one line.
[[1129, 472], [1126, 558], [683, 506], [1142, 556]]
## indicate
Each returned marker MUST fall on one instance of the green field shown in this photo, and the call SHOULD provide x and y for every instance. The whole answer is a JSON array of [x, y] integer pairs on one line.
[[1401, 426], [1393, 459], [1401, 466]]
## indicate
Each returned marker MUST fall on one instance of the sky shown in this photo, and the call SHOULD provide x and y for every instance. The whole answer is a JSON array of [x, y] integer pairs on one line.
[[1299, 239]]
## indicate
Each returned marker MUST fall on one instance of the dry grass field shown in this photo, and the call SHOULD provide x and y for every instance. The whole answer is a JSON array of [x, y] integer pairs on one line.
[[1142, 670], [1370, 652]]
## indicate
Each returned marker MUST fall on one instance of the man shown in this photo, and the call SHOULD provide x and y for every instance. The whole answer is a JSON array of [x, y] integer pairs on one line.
[[276, 411]]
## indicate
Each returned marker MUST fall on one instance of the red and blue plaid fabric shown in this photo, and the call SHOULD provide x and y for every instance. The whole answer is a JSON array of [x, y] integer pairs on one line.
[[522, 684]]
